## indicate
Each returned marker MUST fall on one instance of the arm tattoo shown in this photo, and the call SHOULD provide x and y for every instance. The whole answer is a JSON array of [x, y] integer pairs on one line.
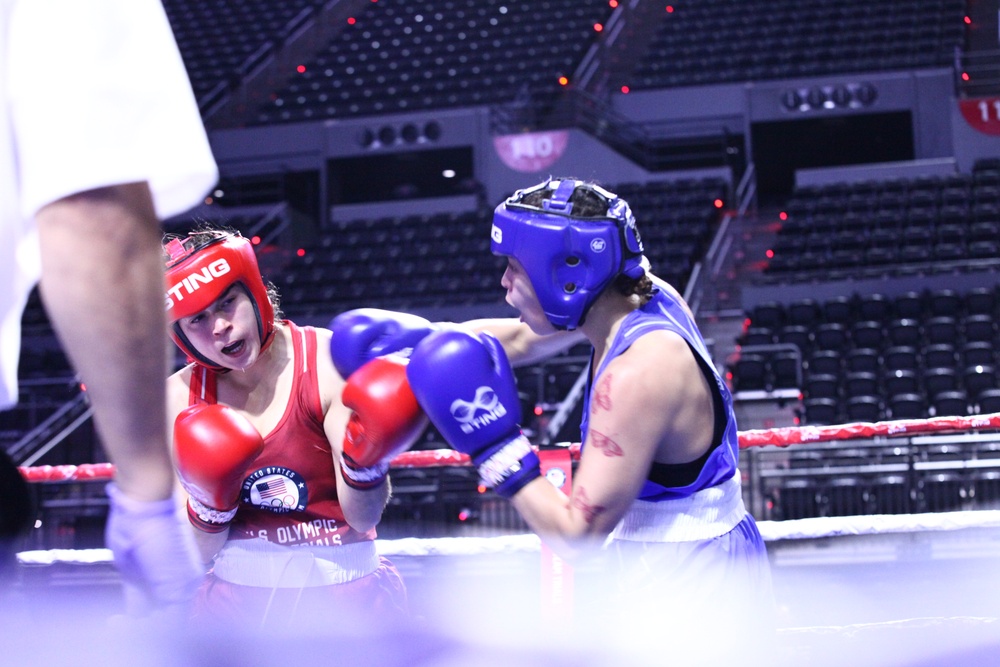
[[606, 445], [581, 502], [602, 397]]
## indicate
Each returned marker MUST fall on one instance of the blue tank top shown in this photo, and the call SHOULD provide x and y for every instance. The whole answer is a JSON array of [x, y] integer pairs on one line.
[[664, 312]]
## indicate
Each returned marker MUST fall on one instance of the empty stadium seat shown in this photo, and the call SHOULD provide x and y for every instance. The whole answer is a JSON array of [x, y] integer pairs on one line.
[[939, 355], [938, 380], [825, 361], [864, 409], [821, 411], [951, 403], [861, 383], [976, 379], [907, 406], [750, 373]]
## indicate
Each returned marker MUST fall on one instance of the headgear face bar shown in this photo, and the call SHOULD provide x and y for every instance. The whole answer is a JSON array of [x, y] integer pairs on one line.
[[198, 273], [569, 259]]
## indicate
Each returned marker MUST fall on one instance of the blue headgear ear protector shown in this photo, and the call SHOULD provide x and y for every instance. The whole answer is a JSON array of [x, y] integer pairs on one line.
[[569, 258]]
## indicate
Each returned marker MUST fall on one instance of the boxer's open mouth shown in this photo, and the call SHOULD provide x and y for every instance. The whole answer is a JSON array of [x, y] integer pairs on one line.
[[234, 348]]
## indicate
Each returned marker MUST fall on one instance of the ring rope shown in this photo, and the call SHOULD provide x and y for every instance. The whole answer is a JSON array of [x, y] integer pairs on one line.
[[778, 437], [795, 435]]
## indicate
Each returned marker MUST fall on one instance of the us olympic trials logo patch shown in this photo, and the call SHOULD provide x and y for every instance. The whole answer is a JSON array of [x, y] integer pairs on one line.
[[276, 489]]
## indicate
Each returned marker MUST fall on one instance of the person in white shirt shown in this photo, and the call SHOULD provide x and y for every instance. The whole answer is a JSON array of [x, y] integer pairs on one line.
[[100, 140]]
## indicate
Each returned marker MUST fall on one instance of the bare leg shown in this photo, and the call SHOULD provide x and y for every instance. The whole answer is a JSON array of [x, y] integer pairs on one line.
[[102, 285]]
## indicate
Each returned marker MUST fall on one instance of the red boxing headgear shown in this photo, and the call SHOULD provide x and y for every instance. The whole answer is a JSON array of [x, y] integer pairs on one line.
[[200, 271]]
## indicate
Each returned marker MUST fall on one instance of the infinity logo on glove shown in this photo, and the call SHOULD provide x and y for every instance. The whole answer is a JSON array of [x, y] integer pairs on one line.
[[486, 401]]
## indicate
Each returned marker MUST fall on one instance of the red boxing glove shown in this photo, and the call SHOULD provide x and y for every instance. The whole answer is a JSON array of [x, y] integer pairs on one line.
[[214, 446], [387, 420]]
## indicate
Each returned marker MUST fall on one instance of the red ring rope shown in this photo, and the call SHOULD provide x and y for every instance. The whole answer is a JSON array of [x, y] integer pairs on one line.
[[778, 437]]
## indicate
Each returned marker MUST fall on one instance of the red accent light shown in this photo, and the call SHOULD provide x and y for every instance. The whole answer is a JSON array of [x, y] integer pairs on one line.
[[625, 90], [968, 20], [538, 410], [563, 81], [208, 201], [301, 252], [782, 216], [255, 240], [351, 21], [481, 488], [770, 254], [965, 76], [464, 515], [719, 203], [300, 69], [83, 387], [598, 27], [613, 3], [670, 9]]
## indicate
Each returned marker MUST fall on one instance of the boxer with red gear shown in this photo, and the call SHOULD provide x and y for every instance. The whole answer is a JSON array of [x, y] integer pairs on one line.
[[298, 543]]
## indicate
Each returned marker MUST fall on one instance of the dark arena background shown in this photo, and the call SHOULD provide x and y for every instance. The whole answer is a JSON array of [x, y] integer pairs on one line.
[[819, 178]]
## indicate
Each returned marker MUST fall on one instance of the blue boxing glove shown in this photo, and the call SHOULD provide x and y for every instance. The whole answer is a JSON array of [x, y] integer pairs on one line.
[[466, 386], [364, 334]]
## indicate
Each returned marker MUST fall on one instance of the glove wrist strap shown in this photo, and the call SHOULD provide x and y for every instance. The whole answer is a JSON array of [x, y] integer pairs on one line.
[[208, 519], [511, 467]]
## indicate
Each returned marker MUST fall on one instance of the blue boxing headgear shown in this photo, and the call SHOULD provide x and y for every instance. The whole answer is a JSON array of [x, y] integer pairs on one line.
[[569, 258]]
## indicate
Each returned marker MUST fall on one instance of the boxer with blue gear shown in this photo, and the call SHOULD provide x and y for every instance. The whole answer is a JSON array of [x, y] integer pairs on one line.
[[657, 490], [199, 270], [569, 258]]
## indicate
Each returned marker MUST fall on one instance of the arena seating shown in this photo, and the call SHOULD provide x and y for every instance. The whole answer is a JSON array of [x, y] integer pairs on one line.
[[407, 261], [919, 354], [724, 41], [406, 55], [220, 40], [889, 228], [465, 53]]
